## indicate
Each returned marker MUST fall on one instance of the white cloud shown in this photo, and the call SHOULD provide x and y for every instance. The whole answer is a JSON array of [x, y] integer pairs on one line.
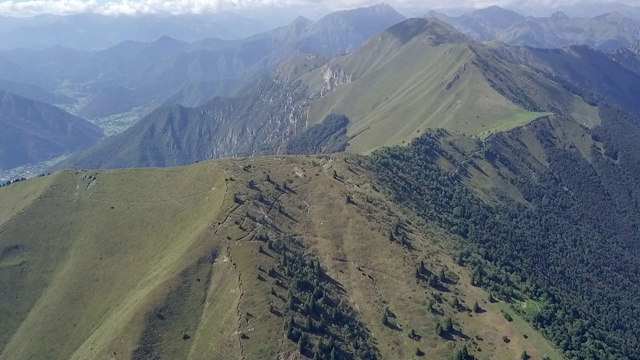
[[24, 8]]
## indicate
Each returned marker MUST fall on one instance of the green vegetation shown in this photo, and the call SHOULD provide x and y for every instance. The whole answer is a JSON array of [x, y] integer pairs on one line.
[[512, 234], [538, 232], [327, 137], [511, 122], [390, 99], [254, 257]]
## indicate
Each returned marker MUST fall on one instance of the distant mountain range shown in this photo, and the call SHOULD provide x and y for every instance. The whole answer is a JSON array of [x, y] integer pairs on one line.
[[94, 32], [33, 131], [603, 32], [416, 75], [582, 9], [137, 74]]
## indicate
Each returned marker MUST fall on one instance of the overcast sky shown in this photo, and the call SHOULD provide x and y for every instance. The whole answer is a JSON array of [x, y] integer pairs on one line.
[[130, 7]]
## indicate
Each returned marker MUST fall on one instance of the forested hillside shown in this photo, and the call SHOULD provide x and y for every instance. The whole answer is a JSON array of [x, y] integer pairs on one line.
[[548, 212]]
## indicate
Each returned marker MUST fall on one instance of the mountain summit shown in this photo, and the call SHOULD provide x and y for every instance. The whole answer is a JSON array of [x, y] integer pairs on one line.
[[438, 32]]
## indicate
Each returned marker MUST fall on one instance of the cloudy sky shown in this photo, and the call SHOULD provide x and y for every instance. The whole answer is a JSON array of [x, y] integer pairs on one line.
[[131, 7]]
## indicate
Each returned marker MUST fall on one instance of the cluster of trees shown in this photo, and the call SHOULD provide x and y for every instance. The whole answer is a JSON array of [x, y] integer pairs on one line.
[[316, 317], [573, 247], [329, 136], [3, 184], [433, 280], [323, 326], [19, 179]]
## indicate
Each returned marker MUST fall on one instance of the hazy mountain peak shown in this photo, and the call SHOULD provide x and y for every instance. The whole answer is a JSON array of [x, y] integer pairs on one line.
[[499, 17], [435, 14], [559, 16], [614, 15], [367, 13], [605, 32], [344, 31], [165, 39], [436, 30], [496, 12], [301, 20], [383, 9]]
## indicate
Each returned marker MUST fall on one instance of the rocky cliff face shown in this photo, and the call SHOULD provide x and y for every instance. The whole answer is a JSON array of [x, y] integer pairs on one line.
[[334, 77], [628, 58]]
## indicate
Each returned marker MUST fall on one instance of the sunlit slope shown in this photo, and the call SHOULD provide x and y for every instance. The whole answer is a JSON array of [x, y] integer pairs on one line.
[[174, 264], [417, 75], [83, 262]]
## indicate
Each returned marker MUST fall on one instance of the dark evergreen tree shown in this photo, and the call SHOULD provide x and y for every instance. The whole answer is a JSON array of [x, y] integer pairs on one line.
[[441, 276], [303, 342], [448, 325], [476, 307]]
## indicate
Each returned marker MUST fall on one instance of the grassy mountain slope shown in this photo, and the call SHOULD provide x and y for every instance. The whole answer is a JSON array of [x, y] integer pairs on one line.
[[423, 74], [416, 75], [34, 131], [211, 260]]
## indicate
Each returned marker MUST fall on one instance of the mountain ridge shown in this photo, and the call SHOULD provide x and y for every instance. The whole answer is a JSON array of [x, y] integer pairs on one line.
[[34, 131], [387, 80], [145, 75], [604, 32], [207, 225]]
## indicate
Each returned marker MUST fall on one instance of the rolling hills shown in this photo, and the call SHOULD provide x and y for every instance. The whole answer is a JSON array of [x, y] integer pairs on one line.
[[33, 131], [417, 75]]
